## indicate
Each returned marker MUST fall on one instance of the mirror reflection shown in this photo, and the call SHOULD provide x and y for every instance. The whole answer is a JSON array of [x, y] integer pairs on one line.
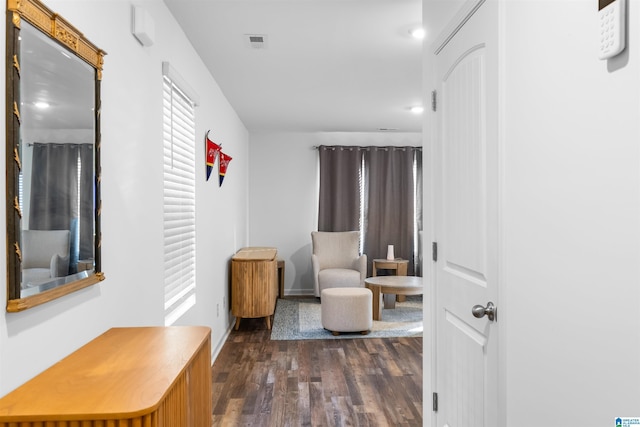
[[53, 157], [57, 143]]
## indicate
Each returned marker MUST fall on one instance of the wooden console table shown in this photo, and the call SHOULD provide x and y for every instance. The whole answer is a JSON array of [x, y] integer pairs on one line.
[[254, 283], [280, 278], [154, 376]]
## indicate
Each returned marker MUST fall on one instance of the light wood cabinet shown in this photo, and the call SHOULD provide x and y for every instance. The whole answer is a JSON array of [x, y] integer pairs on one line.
[[153, 377], [254, 284]]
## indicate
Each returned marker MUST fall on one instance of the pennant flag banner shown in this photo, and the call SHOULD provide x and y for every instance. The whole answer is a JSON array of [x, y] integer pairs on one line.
[[213, 150], [222, 166]]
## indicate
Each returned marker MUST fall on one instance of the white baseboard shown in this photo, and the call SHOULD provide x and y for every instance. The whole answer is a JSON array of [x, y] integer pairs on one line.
[[216, 351], [303, 294]]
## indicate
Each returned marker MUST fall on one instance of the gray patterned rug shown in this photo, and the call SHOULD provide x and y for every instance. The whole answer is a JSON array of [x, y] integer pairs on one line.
[[299, 319]]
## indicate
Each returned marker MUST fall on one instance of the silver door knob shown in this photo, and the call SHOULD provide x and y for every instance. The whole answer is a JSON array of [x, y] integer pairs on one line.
[[490, 311]]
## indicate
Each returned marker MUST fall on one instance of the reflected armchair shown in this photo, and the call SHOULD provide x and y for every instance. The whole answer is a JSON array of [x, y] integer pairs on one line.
[[45, 255], [336, 260]]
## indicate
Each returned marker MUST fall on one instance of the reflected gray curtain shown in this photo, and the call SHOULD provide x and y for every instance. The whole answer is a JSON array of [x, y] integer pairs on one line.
[[391, 206], [339, 199], [87, 219], [54, 196]]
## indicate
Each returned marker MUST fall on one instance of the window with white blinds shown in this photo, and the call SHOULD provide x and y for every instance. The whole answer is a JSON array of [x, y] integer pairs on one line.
[[179, 201]]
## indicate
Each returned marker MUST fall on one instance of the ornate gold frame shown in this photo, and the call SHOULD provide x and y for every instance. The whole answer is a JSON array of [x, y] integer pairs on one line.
[[56, 27], [59, 29]]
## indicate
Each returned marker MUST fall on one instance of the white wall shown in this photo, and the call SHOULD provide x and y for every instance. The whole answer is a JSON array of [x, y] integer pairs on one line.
[[132, 256], [571, 218], [283, 185]]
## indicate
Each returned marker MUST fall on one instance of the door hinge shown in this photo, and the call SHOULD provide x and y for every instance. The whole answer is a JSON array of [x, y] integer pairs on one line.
[[435, 402], [434, 251], [434, 97]]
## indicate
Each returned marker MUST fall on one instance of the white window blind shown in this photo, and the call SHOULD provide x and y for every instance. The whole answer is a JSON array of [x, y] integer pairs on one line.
[[179, 201]]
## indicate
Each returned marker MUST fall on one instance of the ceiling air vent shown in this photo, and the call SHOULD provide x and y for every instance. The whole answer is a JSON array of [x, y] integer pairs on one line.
[[256, 41]]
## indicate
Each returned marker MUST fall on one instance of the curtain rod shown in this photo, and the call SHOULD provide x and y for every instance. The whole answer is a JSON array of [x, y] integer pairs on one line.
[[351, 147], [31, 144]]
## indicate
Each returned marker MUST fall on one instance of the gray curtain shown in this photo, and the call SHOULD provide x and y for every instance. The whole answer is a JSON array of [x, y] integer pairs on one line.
[[54, 203], [390, 214], [391, 178], [87, 211], [339, 199]]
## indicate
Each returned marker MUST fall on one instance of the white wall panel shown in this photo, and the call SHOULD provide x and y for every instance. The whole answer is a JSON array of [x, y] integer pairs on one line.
[[132, 293]]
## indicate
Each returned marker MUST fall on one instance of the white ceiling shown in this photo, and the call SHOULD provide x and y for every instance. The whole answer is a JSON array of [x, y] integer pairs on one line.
[[329, 65]]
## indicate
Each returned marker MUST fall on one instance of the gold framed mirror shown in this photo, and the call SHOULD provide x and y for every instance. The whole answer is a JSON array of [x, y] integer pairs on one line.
[[53, 76]]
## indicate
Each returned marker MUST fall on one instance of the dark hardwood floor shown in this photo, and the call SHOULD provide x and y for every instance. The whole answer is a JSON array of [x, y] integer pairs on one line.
[[344, 382]]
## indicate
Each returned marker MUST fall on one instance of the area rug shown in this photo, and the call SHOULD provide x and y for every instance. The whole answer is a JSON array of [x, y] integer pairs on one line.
[[299, 319]]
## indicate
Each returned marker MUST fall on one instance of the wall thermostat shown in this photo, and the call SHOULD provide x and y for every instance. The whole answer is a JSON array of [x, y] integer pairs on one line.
[[612, 18]]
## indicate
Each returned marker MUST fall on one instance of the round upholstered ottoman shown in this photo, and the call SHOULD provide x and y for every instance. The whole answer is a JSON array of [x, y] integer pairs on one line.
[[347, 310]]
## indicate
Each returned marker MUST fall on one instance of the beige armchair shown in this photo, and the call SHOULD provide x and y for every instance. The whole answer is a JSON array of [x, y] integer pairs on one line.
[[336, 260]]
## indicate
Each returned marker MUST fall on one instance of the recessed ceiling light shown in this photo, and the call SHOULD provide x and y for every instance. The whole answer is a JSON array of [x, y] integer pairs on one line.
[[417, 33], [41, 104], [418, 109]]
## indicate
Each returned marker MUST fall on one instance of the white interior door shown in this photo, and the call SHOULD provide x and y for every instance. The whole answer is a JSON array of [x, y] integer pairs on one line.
[[466, 218]]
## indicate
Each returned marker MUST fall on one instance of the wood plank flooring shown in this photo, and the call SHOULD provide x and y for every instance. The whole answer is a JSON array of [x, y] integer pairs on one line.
[[345, 382]]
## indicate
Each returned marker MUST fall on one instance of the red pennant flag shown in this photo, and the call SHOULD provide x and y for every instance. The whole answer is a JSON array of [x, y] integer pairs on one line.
[[222, 166], [212, 152]]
